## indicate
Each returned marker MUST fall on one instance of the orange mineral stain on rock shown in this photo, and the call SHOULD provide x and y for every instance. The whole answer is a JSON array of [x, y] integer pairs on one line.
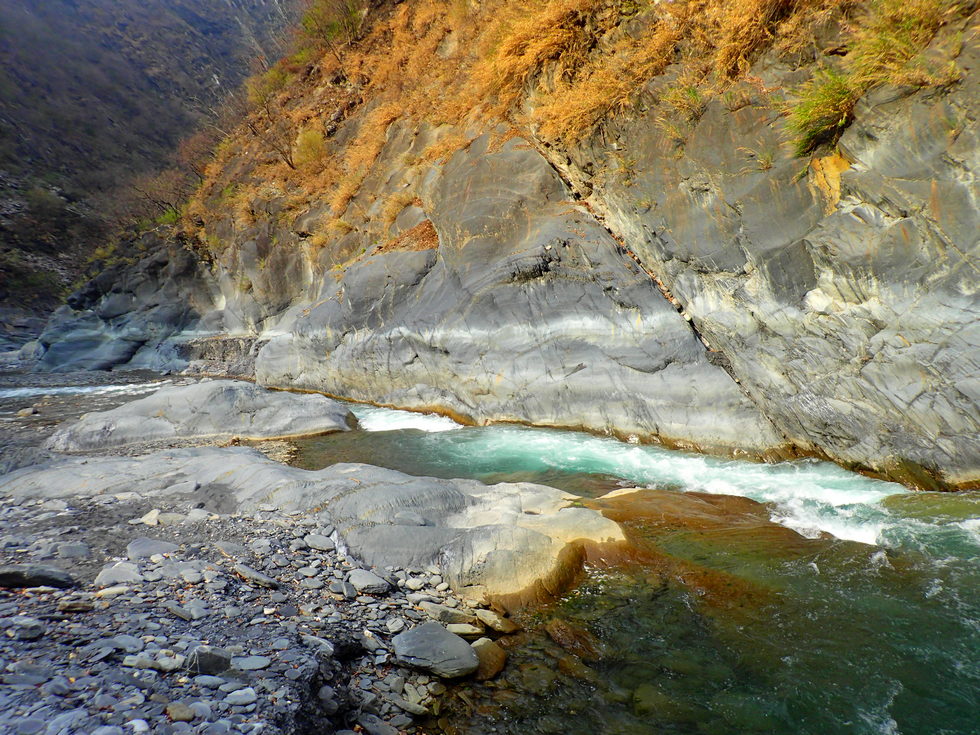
[[825, 178]]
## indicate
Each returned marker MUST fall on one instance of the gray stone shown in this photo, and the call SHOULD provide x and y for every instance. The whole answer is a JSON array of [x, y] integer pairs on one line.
[[122, 572], [34, 575], [242, 697], [318, 542], [180, 712], [250, 663], [445, 614], [374, 725], [430, 647], [144, 548], [368, 582], [23, 627], [255, 577]]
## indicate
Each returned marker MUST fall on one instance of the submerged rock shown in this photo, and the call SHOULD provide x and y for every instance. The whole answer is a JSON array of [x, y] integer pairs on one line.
[[219, 409]]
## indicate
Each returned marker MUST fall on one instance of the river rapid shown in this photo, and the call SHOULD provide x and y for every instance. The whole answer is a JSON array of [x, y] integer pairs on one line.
[[751, 598]]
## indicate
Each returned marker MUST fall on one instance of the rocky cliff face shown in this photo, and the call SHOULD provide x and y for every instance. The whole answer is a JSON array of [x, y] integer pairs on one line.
[[843, 289], [708, 290]]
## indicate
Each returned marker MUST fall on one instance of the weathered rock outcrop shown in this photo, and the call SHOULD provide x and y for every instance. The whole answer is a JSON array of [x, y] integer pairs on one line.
[[843, 290], [214, 410], [526, 310], [838, 295], [131, 315], [487, 539]]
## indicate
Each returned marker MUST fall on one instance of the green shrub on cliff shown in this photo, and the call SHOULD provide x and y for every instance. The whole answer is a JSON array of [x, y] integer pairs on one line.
[[886, 47]]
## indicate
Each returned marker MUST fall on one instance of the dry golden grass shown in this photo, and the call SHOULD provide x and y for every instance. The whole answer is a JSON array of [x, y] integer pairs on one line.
[[558, 67], [421, 237], [607, 85], [395, 205]]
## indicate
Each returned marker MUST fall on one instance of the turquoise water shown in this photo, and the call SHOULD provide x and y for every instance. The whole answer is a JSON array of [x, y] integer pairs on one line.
[[841, 605]]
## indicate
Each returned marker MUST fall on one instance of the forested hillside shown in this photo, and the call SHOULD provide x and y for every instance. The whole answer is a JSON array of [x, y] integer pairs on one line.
[[93, 94]]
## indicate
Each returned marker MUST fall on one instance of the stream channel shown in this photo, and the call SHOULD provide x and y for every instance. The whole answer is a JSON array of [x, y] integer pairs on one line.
[[751, 598], [774, 598]]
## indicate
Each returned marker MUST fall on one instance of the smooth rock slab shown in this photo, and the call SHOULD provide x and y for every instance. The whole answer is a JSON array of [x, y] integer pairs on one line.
[[255, 577], [445, 614], [242, 697], [218, 409], [34, 575], [430, 647], [319, 542], [250, 663]]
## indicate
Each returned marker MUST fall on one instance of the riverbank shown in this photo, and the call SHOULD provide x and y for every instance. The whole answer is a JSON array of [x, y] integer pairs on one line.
[[742, 597]]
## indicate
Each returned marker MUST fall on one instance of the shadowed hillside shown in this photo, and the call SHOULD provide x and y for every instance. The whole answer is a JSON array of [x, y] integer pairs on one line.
[[94, 93]]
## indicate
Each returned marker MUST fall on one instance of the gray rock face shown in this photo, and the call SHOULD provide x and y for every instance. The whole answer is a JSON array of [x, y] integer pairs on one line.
[[487, 539], [527, 311], [844, 292], [210, 409], [432, 648], [130, 315]]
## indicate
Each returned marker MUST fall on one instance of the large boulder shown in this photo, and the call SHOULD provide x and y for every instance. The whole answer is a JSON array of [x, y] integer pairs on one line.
[[219, 409]]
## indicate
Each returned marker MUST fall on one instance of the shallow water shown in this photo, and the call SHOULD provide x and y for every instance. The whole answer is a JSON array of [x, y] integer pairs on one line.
[[842, 604]]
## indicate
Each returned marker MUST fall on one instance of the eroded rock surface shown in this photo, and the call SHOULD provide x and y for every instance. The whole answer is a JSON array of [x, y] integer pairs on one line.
[[487, 540], [219, 409], [843, 289], [526, 311]]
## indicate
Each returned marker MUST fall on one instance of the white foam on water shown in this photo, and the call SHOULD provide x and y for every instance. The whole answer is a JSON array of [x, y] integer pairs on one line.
[[374, 418], [97, 390], [808, 496]]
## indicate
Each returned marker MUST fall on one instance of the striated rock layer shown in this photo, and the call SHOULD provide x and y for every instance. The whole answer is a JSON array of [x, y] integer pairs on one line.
[[526, 311], [843, 290]]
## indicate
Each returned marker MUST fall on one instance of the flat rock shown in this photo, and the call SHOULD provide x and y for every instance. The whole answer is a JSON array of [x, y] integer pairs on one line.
[[496, 621], [215, 409], [250, 663], [430, 647], [319, 542], [446, 614], [368, 582], [144, 548], [255, 577], [242, 697], [482, 539], [122, 572], [34, 575]]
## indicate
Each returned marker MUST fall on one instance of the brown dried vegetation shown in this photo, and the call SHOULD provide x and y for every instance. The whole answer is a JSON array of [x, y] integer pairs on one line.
[[449, 69]]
